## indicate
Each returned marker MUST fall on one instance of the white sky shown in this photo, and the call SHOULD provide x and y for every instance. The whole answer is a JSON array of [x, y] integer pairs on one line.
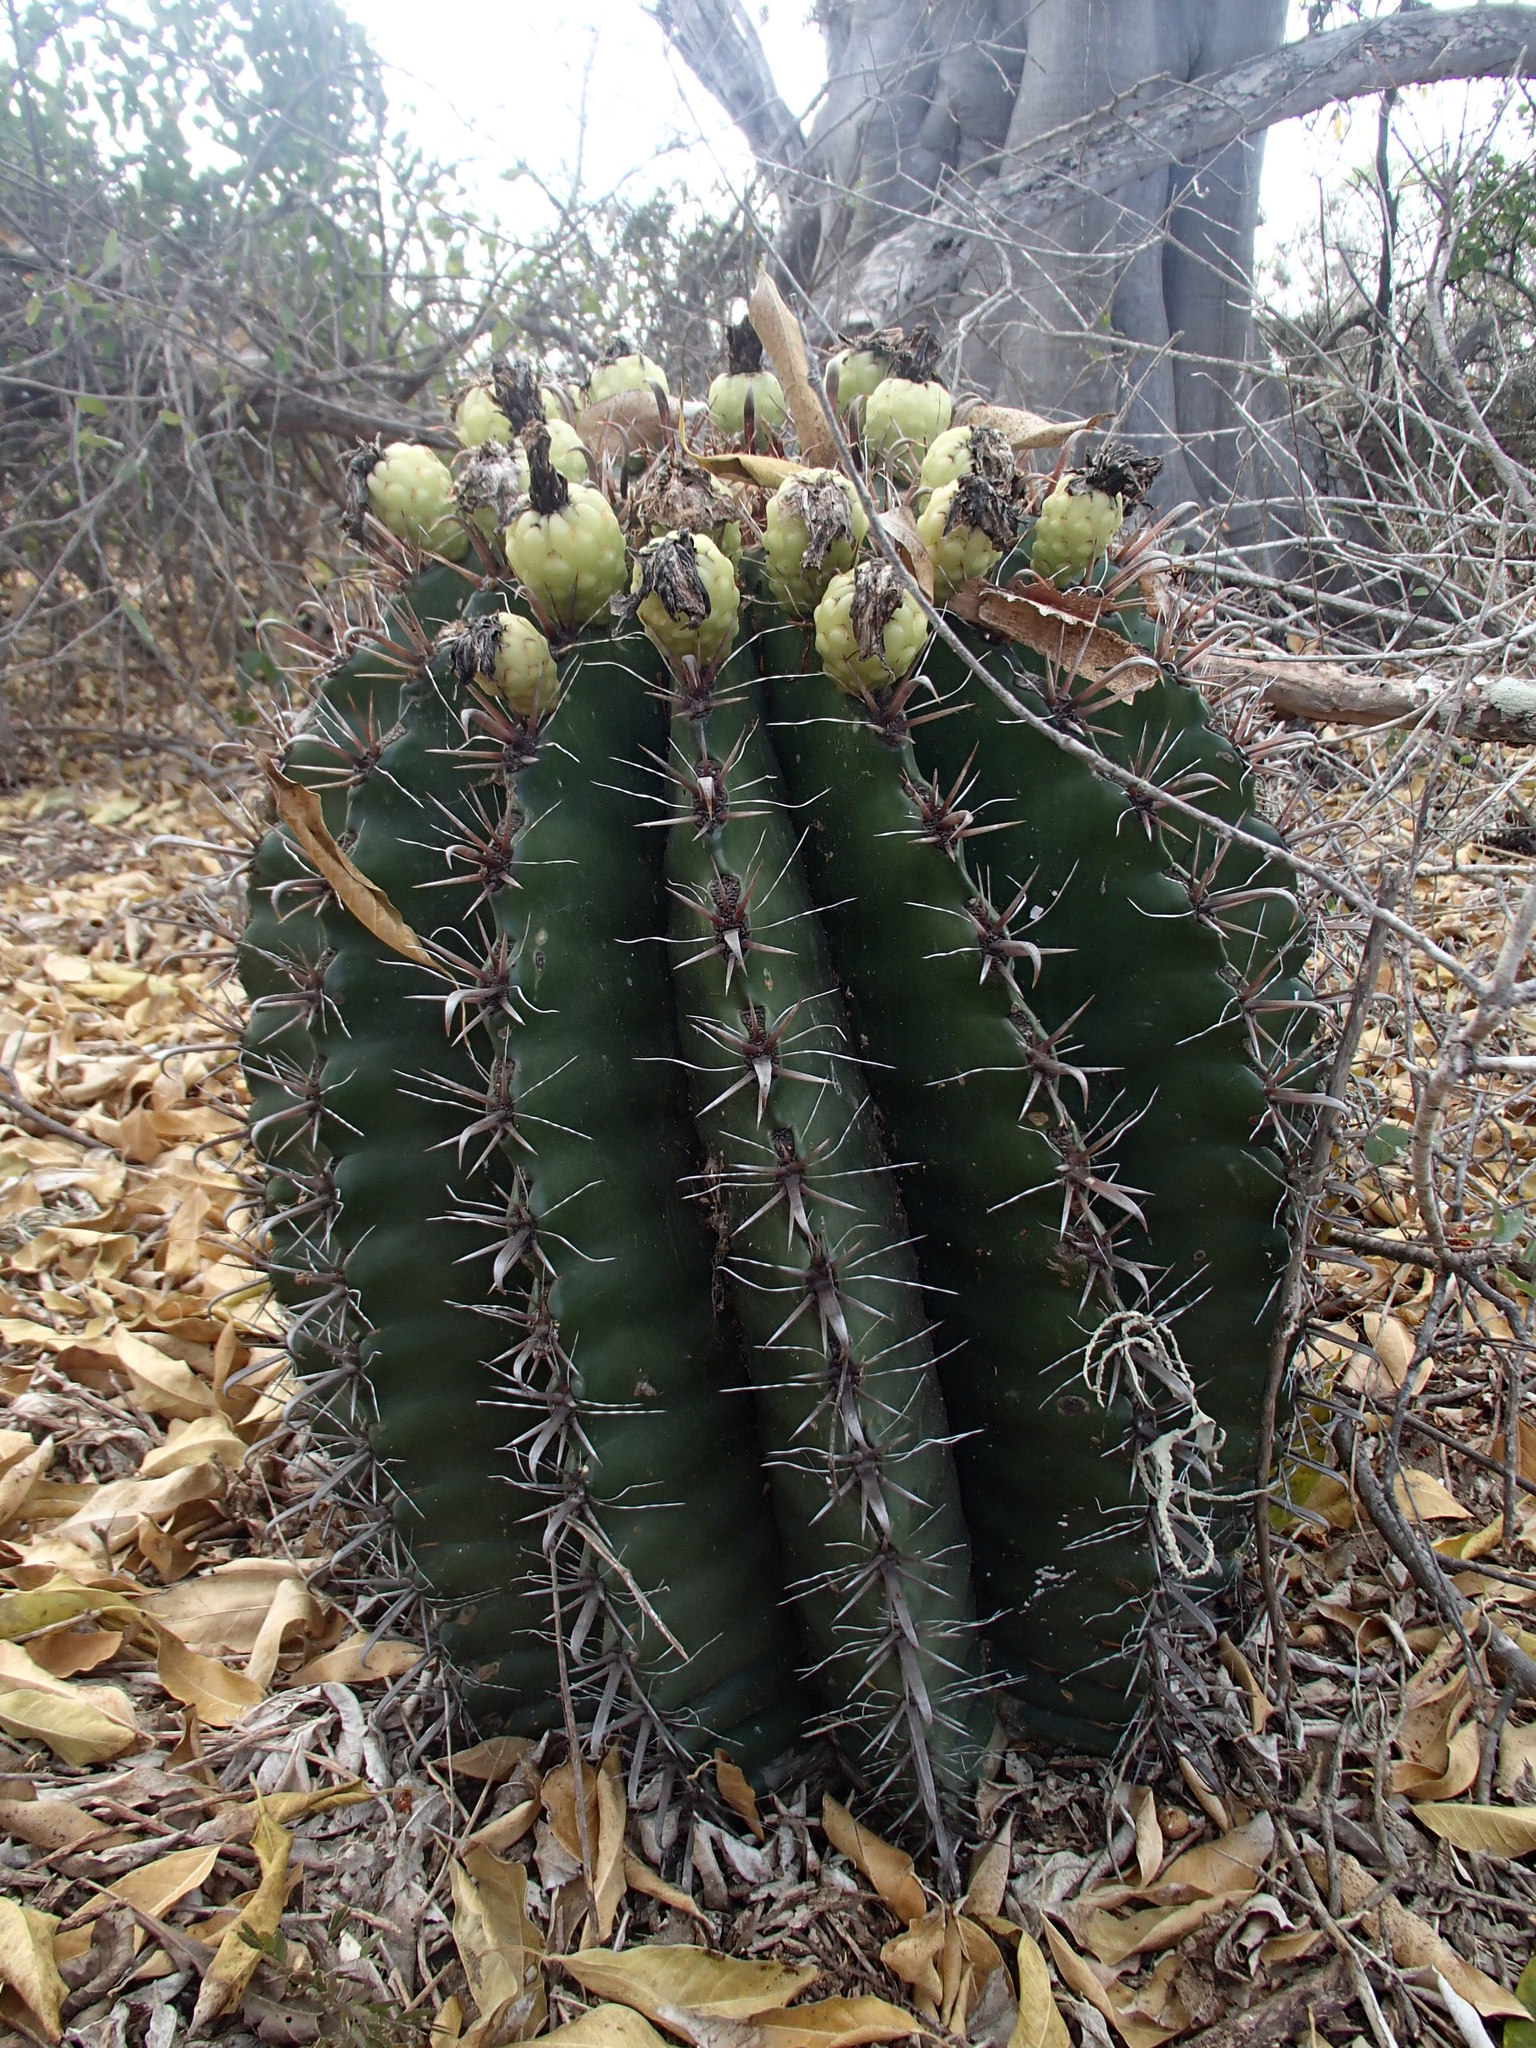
[[511, 85]]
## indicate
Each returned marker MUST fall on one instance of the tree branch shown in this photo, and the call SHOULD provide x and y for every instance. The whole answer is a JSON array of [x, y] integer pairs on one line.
[[1497, 708], [716, 40], [1159, 124]]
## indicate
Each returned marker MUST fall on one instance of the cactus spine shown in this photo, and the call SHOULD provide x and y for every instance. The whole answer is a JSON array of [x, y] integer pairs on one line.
[[812, 1155]]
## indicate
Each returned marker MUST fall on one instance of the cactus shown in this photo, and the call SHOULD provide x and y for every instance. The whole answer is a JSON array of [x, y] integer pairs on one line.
[[789, 1195]]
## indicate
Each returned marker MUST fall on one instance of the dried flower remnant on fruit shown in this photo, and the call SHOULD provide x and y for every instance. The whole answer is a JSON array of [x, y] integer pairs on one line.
[[492, 486], [515, 387], [743, 348], [977, 503], [821, 504], [915, 358], [684, 594], [548, 490], [877, 596], [1119, 472], [508, 658], [357, 465], [677, 494], [669, 570]]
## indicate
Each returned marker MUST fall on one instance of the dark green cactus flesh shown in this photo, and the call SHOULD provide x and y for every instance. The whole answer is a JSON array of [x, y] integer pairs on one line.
[[797, 1231]]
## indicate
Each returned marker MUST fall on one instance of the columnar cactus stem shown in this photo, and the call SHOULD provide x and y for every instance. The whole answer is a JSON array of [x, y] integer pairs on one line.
[[822, 1272]]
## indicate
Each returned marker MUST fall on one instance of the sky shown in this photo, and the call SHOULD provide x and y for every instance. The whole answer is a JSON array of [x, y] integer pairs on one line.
[[530, 69]]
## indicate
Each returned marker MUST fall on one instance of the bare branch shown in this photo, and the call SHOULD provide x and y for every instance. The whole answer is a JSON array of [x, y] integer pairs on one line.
[[1160, 124]]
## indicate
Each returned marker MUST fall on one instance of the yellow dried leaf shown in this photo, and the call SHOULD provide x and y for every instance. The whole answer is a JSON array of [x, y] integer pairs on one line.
[[916, 1956], [1422, 1495], [161, 1385], [731, 1784], [27, 1964], [835, 2023], [1113, 1937], [1260, 1707], [492, 1762], [1285, 1948], [81, 1724], [608, 1876], [222, 1697], [1149, 1835], [1061, 626], [1228, 1868], [784, 345], [156, 1887], [20, 1476], [1039, 2024], [72, 1651], [1462, 1754], [1079, 1976], [766, 471], [1517, 1760], [889, 1870], [665, 1978], [294, 1606], [606, 2026], [498, 1944], [1024, 430], [988, 1885], [60, 1599], [347, 1664], [1412, 1942], [300, 811], [637, 1875], [224, 1611], [1495, 1830], [48, 1824], [511, 1826], [253, 1932], [210, 1437], [110, 1514]]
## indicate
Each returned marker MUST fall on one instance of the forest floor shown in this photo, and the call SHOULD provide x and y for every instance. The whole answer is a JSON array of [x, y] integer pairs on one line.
[[229, 1801]]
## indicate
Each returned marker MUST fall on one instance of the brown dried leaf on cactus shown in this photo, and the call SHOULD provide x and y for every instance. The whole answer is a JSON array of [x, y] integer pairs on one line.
[[1024, 430], [1035, 617], [300, 811], [784, 345]]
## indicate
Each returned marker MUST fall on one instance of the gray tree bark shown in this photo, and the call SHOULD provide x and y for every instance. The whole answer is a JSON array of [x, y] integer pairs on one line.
[[1066, 189]]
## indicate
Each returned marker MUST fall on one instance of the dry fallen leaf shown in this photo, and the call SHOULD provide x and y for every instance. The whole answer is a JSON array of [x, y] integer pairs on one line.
[[1080, 1977], [498, 1945], [300, 811], [1047, 621], [27, 1964], [663, 1979], [81, 1724], [1024, 430], [1495, 1830], [1039, 2024], [784, 345], [889, 1870], [834, 2023], [606, 2026], [253, 1932], [732, 1785], [1421, 1494]]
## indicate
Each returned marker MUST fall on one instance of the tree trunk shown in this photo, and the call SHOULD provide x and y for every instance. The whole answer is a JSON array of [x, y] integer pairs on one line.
[[1067, 189]]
